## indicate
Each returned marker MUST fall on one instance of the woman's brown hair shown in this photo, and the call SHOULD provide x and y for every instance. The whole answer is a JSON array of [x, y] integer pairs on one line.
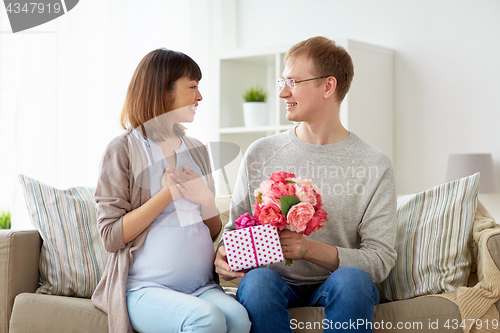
[[150, 92]]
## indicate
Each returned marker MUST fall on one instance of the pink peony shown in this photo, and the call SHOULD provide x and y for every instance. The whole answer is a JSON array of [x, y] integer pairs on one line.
[[299, 216], [286, 184], [272, 201], [268, 214], [306, 194], [319, 202], [245, 221], [316, 222], [264, 188], [303, 181], [281, 176], [283, 189]]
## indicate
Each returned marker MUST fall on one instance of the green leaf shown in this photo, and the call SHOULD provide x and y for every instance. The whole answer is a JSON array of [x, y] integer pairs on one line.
[[255, 94], [260, 198], [5, 220], [287, 202]]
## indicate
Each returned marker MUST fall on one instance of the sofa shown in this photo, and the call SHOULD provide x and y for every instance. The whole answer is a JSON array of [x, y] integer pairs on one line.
[[23, 310]]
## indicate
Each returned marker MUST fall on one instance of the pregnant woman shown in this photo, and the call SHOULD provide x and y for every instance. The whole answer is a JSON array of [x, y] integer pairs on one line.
[[156, 211]]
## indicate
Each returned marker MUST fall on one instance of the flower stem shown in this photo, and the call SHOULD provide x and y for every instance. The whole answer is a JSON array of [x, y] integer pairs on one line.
[[288, 262]]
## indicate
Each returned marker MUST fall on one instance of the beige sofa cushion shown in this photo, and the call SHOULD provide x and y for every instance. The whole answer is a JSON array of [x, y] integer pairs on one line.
[[494, 247], [49, 313], [18, 268], [415, 315]]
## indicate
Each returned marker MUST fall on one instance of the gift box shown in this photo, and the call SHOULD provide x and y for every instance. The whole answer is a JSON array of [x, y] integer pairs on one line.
[[252, 247]]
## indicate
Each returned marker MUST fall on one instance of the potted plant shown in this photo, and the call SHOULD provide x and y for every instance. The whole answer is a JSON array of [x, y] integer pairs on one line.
[[5, 220], [255, 107]]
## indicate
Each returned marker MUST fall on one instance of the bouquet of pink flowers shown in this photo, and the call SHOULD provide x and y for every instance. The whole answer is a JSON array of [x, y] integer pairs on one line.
[[286, 201]]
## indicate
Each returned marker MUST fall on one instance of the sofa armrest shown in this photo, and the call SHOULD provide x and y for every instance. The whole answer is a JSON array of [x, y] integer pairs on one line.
[[494, 248], [19, 255]]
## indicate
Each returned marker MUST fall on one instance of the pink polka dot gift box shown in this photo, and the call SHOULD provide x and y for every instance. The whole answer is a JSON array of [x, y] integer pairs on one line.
[[252, 247]]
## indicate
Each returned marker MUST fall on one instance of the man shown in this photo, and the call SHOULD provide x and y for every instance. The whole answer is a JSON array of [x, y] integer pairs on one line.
[[336, 267]]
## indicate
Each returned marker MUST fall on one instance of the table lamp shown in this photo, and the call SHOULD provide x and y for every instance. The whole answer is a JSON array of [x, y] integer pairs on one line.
[[463, 165]]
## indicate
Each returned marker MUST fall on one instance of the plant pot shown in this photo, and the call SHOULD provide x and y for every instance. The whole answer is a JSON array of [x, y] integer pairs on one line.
[[255, 114]]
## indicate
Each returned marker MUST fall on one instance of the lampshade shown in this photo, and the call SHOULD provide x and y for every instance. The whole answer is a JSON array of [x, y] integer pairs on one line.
[[463, 165]]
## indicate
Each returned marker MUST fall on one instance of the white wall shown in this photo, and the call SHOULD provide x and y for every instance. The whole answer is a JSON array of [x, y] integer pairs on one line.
[[63, 85], [447, 70]]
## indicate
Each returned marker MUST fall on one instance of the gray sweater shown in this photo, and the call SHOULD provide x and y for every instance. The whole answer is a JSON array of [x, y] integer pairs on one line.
[[358, 187]]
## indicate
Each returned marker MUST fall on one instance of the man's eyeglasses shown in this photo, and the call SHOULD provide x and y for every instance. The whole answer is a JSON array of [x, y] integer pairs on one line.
[[291, 82]]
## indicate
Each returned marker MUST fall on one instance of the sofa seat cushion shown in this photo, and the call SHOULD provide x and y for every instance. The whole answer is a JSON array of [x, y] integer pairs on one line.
[[414, 315], [48, 313]]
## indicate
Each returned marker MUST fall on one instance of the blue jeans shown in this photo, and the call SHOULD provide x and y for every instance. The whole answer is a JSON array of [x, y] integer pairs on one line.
[[154, 310], [348, 297]]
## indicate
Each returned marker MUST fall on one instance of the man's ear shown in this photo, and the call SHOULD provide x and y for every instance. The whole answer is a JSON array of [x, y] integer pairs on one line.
[[330, 87]]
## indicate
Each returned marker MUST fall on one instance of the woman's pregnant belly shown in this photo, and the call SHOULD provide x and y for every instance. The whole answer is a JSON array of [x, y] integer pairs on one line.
[[180, 258]]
